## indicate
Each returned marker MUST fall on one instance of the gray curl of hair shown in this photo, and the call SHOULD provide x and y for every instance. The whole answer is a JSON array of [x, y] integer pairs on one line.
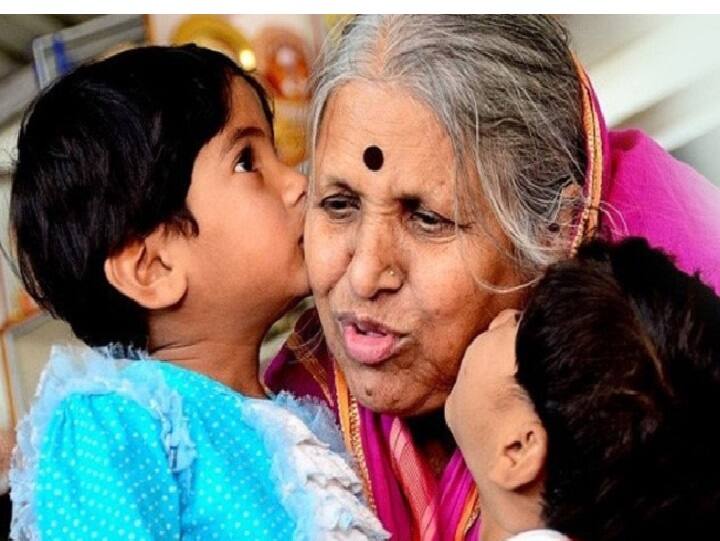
[[506, 91]]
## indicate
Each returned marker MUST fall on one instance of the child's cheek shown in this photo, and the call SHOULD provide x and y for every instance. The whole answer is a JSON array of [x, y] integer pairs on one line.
[[455, 406]]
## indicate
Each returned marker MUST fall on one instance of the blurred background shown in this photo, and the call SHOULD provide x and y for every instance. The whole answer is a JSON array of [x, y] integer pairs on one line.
[[658, 73]]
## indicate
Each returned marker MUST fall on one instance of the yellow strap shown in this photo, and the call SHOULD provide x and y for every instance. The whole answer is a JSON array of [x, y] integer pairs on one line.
[[349, 416], [470, 514], [593, 145]]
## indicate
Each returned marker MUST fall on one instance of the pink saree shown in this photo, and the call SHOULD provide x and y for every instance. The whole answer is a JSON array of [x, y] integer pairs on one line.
[[633, 188]]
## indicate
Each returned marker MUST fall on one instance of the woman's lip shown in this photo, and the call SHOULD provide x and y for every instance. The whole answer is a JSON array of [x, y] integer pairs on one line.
[[368, 341]]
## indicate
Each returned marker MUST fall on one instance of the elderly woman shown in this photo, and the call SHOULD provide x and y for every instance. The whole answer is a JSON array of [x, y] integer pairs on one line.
[[455, 157]]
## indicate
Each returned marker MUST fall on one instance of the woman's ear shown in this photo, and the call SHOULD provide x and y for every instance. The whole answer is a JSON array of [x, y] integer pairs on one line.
[[570, 198], [522, 457], [148, 272]]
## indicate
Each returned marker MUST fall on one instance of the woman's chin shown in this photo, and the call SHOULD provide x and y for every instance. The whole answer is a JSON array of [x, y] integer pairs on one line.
[[382, 393], [388, 406]]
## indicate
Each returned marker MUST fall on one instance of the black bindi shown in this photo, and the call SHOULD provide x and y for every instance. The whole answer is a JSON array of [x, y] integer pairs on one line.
[[373, 158]]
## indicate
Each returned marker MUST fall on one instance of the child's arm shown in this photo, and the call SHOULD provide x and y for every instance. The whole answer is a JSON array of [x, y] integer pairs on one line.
[[103, 473]]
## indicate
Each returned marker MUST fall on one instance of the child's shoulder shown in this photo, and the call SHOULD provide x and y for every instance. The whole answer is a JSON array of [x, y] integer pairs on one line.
[[103, 382], [99, 419], [115, 389], [85, 393]]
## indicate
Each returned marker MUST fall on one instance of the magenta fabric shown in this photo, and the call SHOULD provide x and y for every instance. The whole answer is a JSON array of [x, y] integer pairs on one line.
[[650, 194], [455, 485], [391, 505]]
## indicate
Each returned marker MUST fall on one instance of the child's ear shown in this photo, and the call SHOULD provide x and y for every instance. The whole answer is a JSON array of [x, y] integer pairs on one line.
[[147, 271], [522, 457]]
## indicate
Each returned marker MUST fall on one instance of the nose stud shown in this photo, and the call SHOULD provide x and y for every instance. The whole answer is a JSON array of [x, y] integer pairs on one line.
[[392, 272]]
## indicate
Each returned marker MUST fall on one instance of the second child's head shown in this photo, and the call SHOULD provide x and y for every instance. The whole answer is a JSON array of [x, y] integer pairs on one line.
[[148, 200], [595, 412]]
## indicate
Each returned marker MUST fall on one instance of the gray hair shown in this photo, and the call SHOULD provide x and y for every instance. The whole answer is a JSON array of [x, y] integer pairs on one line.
[[506, 91]]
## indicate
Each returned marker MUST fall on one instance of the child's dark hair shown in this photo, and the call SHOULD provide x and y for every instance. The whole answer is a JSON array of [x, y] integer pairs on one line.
[[619, 352], [105, 156]]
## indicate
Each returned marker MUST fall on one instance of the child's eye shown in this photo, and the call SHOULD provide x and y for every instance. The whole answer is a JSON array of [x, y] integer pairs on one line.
[[245, 162]]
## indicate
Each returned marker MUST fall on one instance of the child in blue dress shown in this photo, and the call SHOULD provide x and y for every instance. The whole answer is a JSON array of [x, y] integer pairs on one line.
[[151, 212]]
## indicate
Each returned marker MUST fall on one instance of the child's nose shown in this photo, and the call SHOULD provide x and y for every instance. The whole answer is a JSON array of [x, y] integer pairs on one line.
[[295, 187], [503, 317]]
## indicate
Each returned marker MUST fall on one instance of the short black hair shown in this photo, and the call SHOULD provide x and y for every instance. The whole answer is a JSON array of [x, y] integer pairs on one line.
[[105, 156], [619, 352]]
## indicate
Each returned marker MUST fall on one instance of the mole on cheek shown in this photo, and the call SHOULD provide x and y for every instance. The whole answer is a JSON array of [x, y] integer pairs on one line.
[[373, 158]]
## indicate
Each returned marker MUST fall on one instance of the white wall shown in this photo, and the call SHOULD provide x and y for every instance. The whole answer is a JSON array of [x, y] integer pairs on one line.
[[660, 74]]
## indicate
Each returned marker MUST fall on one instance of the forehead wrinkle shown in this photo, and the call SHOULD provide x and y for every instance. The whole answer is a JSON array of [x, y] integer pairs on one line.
[[411, 146], [371, 186], [426, 191], [394, 132], [335, 181]]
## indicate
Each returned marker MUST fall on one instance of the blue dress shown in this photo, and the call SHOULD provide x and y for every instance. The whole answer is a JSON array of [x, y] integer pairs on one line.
[[142, 450]]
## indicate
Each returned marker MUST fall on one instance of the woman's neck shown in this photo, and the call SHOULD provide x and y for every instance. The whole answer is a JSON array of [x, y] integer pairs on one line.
[[433, 440]]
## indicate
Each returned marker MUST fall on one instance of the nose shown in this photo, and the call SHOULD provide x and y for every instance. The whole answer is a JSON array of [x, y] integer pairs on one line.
[[293, 186], [374, 266], [503, 317], [448, 410]]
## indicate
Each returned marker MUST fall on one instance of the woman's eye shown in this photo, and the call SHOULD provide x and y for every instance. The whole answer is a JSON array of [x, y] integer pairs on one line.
[[339, 206], [431, 222], [245, 162]]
